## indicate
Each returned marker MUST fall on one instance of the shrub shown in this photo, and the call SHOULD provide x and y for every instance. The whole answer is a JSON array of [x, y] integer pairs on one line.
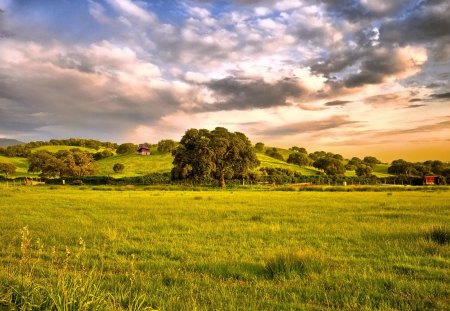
[[439, 234], [118, 167], [288, 265]]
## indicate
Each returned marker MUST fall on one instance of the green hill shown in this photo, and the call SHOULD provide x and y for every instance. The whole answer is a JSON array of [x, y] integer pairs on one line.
[[135, 164], [21, 166], [267, 161], [57, 148]]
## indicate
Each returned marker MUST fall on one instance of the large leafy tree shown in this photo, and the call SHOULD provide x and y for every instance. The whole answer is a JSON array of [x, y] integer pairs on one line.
[[299, 158], [166, 146], [330, 165], [217, 154], [66, 163], [7, 168]]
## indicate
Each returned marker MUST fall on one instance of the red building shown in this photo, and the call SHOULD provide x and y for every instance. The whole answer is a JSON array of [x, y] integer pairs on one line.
[[143, 149]]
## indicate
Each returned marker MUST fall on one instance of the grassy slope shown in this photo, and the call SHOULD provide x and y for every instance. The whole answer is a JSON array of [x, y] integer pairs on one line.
[[136, 165], [267, 161], [20, 163], [55, 149], [208, 250]]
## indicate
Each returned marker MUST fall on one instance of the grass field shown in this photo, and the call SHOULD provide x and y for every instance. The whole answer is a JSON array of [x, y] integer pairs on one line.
[[267, 161], [135, 164], [222, 250]]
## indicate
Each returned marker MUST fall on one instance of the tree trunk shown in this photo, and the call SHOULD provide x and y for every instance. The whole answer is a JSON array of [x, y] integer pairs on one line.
[[222, 180]]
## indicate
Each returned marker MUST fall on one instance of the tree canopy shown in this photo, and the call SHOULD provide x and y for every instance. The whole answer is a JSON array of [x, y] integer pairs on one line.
[[218, 154], [7, 168], [166, 146], [126, 148], [64, 163], [299, 158]]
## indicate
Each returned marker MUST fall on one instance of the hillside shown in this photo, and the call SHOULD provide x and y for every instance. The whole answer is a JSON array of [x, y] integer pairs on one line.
[[267, 161], [135, 164], [6, 142], [57, 148], [20, 163]]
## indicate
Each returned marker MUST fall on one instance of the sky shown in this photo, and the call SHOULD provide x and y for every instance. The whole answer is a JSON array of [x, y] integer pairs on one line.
[[367, 77]]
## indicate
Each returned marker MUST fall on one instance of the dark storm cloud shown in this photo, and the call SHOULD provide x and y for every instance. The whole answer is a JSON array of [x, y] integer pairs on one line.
[[307, 126], [441, 96], [337, 103], [428, 22], [244, 94], [378, 64], [414, 106]]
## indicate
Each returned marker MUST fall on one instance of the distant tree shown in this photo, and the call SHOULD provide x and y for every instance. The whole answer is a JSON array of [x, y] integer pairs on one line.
[[118, 167], [166, 146], [299, 149], [64, 163], [363, 170], [126, 148], [259, 147], [402, 167], [330, 166], [7, 168], [18, 151], [45, 163], [218, 154], [273, 152], [103, 154], [2, 151], [355, 161], [77, 163], [299, 158], [372, 161]]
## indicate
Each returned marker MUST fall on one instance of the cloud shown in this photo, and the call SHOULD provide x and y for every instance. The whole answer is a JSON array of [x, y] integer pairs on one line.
[[441, 95], [429, 21], [132, 9], [414, 106], [102, 88], [306, 126], [337, 103], [242, 94], [382, 63]]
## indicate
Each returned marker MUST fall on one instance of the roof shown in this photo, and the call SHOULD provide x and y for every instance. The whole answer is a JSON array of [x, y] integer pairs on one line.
[[143, 146]]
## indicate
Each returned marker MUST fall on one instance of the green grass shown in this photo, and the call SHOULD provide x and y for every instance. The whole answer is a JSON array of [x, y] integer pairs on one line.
[[55, 149], [267, 161], [136, 165], [21, 166], [222, 250]]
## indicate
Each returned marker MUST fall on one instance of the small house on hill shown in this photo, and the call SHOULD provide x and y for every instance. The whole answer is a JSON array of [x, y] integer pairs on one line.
[[143, 149]]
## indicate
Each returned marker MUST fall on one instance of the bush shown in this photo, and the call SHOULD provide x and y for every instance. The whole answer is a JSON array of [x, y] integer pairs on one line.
[[77, 182], [439, 234], [118, 167], [288, 265]]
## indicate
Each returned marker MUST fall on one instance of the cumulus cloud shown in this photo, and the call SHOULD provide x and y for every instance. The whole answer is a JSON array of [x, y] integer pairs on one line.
[[101, 88], [243, 94]]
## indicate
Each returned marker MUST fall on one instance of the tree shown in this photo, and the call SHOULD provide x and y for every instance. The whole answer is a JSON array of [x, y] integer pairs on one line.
[[363, 170], [7, 168], [126, 148], [46, 163], [166, 146], [217, 154], [118, 167], [299, 158], [372, 161], [330, 166], [274, 154], [259, 147], [299, 149], [103, 154], [402, 167], [64, 163], [77, 163]]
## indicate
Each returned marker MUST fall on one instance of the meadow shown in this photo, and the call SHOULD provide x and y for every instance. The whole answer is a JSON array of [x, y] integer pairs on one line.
[[137, 248]]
